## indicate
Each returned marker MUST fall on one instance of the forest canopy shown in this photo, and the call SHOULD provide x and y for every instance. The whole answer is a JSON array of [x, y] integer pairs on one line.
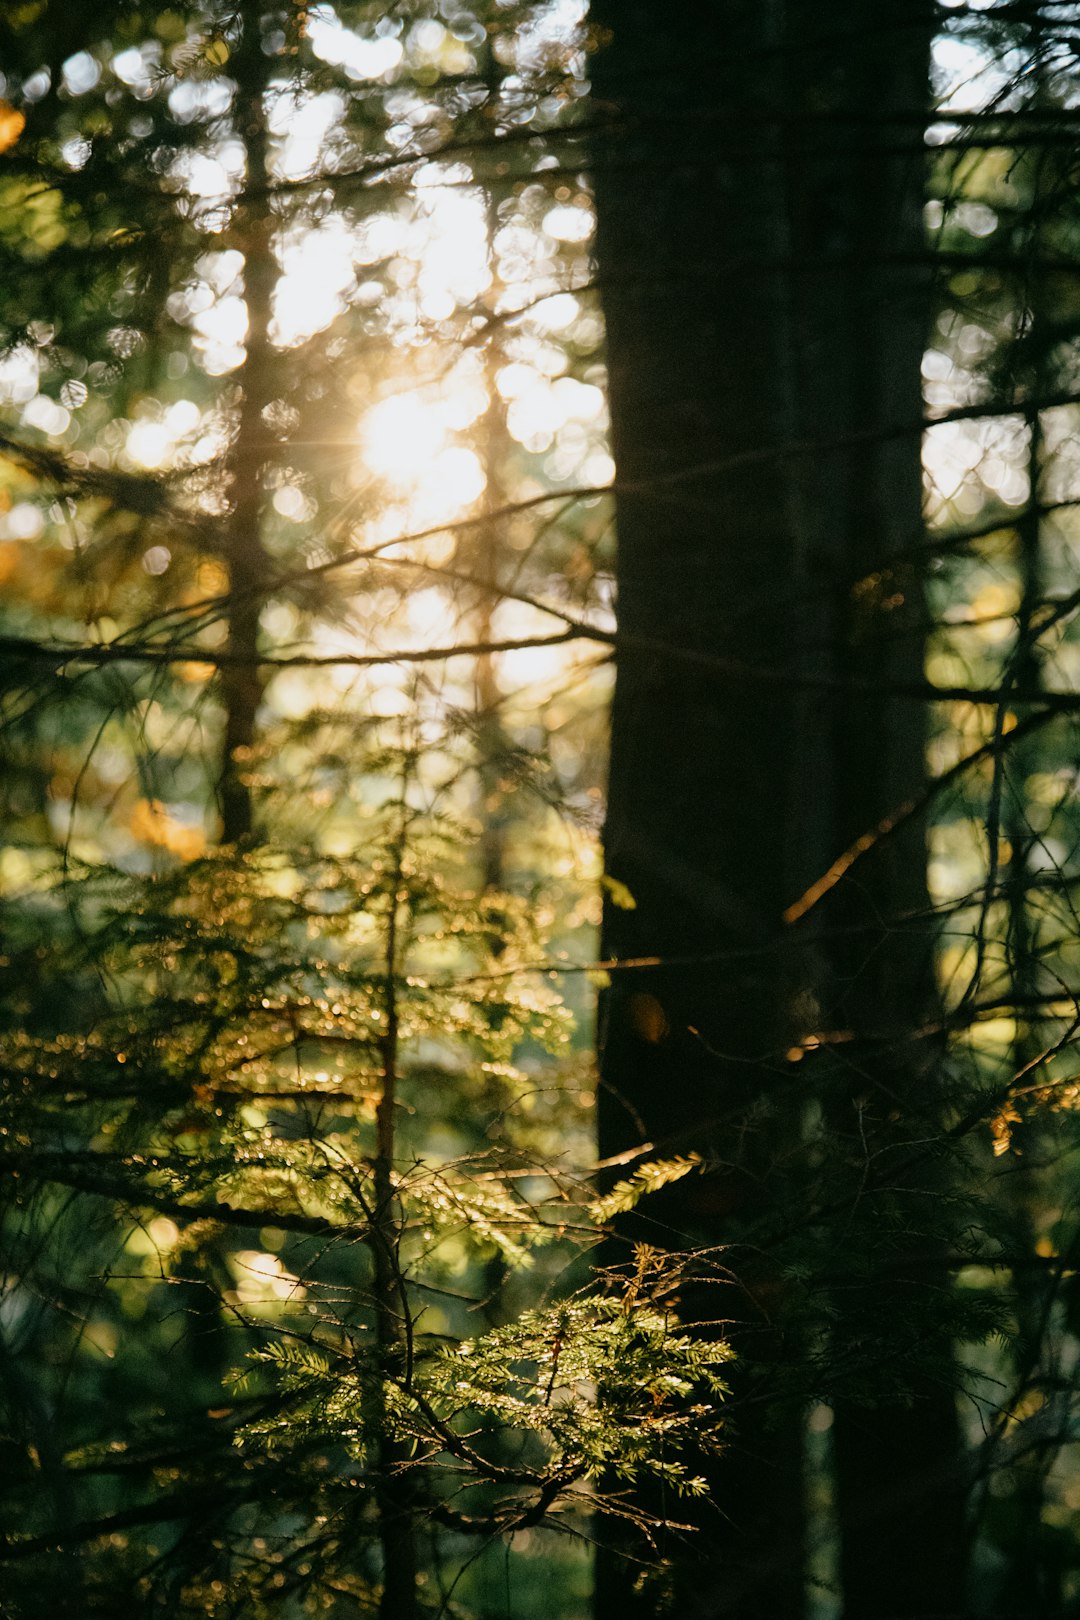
[[538, 675]]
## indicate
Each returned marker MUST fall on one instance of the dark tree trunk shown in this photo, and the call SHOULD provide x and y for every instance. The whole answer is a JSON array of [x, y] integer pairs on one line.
[[857, 178], [759, 233], [690, 243]]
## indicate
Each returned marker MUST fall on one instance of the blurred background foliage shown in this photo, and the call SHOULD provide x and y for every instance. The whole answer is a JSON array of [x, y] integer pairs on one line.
[[299, 351]]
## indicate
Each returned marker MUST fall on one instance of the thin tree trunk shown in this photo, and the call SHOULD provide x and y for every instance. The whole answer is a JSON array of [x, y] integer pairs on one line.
[[203, 1270], [246, 559], [494, 440], [1034, 1577], [394, 1492]]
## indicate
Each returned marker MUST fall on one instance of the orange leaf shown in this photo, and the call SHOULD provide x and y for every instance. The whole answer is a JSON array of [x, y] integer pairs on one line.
[[12, 124]]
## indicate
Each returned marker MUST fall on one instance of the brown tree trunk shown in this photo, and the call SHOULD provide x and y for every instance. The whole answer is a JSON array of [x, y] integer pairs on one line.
[[395, 1494], [203, 1270], [246, 559]]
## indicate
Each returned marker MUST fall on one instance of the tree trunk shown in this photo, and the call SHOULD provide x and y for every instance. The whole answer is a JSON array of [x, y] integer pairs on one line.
[[690, 221], [856, 173], [759, 239], [203, 1271], [246, 559], [395, 1492], [1033, 1577]]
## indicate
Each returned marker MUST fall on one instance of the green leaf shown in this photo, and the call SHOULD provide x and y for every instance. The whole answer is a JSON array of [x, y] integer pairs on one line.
[[647, 1178]]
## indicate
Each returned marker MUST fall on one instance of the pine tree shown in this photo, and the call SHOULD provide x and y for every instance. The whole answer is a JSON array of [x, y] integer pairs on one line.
[[289, 1081], [310, 1301]]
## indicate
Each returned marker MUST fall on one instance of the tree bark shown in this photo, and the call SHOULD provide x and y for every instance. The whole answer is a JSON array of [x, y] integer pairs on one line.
[[754, 199], [699, 785], [246, 559], [395, 1494], [857, 182]]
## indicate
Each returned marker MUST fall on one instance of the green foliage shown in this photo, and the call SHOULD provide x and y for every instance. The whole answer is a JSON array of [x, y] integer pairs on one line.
[[295, 1131], [221, 1112], [647, 1178], [281, 1120]]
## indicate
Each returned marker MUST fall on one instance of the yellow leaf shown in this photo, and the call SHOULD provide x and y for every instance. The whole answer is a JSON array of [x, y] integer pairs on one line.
[[1001, 1128], [151, 823], [213, 579], [193, 671], [619, 893]]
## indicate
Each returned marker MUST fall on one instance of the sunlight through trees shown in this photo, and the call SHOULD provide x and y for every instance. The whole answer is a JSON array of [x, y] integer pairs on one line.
[[454, 1167]]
